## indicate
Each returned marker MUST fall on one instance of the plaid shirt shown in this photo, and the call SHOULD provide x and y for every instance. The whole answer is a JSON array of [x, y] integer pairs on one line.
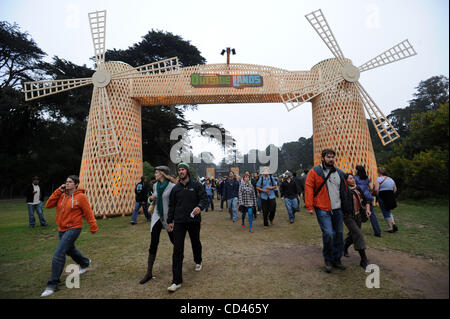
[[247, 197]]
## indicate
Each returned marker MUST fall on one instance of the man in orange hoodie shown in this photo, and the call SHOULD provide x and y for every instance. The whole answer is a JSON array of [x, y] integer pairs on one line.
[[325, 195], [71, 205]]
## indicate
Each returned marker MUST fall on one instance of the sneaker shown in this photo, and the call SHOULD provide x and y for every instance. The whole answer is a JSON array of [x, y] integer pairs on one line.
[[243, 226], [258, 213], [198, 267], [83, 270], [48, 292], [173, 287], [394, 228], [291, 221], [252, 231], [133, 223]]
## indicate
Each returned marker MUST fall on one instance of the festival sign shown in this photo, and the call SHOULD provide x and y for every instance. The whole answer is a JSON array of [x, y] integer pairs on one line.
[[217, 80]]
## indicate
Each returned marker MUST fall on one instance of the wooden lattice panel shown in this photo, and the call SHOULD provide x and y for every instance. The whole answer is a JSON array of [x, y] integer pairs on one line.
[[175, 88], [110, 180], [339, 123]]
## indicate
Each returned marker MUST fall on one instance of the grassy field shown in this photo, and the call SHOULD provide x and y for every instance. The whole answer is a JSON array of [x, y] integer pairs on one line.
[[283, 261]]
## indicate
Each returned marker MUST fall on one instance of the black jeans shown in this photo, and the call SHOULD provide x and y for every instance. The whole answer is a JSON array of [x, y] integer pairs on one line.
[[269, 207], [154, 237], [179, 233]]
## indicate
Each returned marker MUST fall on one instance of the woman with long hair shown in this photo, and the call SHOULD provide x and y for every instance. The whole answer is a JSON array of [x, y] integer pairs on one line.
[[161, 193], [363, 182], [385, 188], [360, 211], [71, 205]]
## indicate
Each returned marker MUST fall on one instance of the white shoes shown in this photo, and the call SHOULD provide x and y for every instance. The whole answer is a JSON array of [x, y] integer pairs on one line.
[[198, 267], [174, 287], [83, 270], [47, 292]]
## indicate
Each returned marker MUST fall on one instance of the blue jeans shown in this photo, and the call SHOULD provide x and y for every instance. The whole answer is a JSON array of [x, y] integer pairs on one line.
[[291, 206], [138, 205], [250, 218], [332, 227], [386, 213], [232, 207], [374, 221], [210, 202], [65, 247], [40, 213]]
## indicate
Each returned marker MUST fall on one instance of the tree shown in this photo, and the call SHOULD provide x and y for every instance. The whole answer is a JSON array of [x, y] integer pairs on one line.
[[420, 167], [430, 94], [158, 122], [19, 55], [149, 171]]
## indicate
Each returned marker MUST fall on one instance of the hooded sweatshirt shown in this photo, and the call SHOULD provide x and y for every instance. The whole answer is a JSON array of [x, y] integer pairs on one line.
[[70, 209]]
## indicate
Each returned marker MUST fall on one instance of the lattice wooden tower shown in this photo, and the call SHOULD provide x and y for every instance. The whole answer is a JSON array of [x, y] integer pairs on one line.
[[112, 156]]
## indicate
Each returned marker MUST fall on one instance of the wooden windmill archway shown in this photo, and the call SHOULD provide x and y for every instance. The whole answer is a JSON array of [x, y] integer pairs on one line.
[[112, 155]]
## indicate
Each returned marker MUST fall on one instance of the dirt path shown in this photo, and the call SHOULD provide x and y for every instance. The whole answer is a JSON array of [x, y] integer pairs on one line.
[[415, 276]]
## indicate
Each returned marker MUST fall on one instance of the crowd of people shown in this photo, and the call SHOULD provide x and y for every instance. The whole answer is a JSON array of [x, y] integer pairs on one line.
[[175, 204]]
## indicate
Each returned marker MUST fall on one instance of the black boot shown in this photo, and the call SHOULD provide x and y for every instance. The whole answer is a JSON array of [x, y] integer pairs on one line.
[[148, 276], [346, 246], [364, 262]]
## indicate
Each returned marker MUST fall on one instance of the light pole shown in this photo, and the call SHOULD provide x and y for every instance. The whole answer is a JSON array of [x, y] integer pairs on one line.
[[228, 51]]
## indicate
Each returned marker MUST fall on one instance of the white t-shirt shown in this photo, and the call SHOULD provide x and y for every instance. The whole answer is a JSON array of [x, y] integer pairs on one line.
[[36, 196]]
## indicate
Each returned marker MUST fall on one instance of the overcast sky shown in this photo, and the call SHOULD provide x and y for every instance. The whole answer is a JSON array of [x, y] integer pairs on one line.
[[272, 33]]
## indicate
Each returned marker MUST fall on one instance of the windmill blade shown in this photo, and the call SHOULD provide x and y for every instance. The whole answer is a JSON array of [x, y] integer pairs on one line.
[[384, 128], [37, 89], [97, 22], [106, 135], [295, 98], [154, 68], [398, 52], [320, 24]]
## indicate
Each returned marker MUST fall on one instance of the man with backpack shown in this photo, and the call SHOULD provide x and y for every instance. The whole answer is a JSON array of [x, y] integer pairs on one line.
[[325, 195], [141, 190], [266, 186]]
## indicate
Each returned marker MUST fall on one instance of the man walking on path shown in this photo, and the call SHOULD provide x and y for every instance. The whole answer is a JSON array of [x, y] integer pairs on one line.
[[230, 194], [325, 195], [289, 194], [266, 186], [187, 200]]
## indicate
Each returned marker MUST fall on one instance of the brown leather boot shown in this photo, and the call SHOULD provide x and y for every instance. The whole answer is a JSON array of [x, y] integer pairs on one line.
[[148, 276]]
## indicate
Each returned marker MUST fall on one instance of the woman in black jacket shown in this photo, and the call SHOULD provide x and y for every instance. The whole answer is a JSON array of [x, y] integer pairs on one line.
[[359, 211]]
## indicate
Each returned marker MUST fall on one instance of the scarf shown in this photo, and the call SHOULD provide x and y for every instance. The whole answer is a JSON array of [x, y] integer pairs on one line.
[[160, 187], [357, 198]]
